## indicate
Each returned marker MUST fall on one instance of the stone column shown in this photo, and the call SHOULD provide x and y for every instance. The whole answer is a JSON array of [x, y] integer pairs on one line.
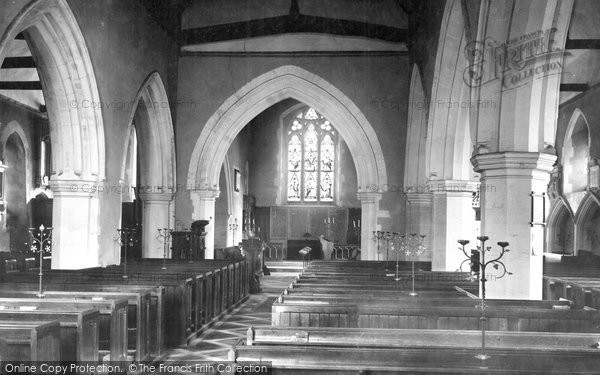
[[156, 214], [419, 219], [507, 181], [453, 219], [369, 214], [204, 209], [75, 209]]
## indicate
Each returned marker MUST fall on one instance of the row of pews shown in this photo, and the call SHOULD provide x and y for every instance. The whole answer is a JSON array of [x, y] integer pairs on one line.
[[343, 317], [98, 314]]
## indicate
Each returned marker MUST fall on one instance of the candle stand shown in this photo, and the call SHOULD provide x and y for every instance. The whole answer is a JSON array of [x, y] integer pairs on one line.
[[41, 242], [481, 262]]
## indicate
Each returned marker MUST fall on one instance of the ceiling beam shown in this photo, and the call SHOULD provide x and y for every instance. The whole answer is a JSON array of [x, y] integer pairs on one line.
[[291, 24], [18, 62], [582, 44], [574, 87], [20, 85]]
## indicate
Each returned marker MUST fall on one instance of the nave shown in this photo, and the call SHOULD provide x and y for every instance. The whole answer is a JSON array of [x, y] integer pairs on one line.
[[322, 323]]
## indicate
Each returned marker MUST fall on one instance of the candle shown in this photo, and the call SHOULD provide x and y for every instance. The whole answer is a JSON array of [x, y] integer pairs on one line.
[[333, 220], [354, 223], [359, 222]]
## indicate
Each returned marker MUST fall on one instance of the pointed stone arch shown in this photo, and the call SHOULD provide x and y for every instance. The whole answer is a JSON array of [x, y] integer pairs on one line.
[[76, 128], [151, 117], [588, 207], [259, 94], [13, 127], [448, 170], [560, 211], [575, 156]]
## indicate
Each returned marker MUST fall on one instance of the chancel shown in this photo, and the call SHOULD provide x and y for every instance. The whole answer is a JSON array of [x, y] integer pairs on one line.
[[324, 186]]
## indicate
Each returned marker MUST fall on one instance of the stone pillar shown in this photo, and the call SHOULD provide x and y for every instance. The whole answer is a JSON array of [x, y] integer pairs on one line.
[[453, 219], [204, 209], [418, 219], [507, 181], [156, 214], [369, 214], [75, 213]]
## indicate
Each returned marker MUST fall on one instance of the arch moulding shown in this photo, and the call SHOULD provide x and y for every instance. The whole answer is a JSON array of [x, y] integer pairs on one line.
[[259, 94]]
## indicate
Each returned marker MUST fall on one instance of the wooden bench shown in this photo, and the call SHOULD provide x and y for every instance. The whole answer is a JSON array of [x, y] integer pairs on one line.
[[79, 333], [576, 289], [31, 341], [196, 296], [420, 338], [288, 359], [112, 321], [140, 322], [409, 301], [508, 318]]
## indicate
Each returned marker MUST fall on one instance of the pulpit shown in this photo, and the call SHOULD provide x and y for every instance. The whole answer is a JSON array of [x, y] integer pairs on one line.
[[189, 244], [253, 248]]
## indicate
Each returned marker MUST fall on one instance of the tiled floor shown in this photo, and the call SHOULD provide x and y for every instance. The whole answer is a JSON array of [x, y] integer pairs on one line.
[[215, 343]]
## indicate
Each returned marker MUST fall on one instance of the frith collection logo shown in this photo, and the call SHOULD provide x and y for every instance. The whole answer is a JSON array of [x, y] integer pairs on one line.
[[516, 62]]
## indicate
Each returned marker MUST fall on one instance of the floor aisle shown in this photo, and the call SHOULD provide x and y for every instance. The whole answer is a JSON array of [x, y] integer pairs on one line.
[[215, 343]]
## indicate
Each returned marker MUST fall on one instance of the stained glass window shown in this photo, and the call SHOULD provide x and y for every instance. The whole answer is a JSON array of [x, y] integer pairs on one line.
[[311, 158]]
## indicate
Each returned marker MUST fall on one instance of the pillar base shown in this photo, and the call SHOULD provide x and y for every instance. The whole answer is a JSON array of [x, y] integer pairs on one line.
[[156, 214], [369, 214], [75, 212], [204, 209]]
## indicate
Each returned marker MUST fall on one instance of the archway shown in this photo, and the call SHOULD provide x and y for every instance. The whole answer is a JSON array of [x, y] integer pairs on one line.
[[272, 87], [587, 225], [151, 122], [561, 229], [448, 170], [77, 132], [15, 193], [574, 159]]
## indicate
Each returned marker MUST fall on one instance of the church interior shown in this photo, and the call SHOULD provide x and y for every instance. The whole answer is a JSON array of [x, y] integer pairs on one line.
[[308, 186]]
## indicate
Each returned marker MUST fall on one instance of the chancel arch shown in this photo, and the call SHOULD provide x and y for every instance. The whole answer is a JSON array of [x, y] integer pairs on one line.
[[260, 93], [77, 131], [151, 123]]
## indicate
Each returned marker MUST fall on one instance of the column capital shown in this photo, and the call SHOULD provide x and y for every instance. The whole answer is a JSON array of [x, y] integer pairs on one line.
[[75, 188], [452, 186], [369, 196], [519, 162], [206, 194], [156, 197], [419, 198]]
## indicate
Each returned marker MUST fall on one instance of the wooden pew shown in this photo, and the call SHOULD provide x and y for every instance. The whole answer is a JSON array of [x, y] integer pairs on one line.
[[300, 359], [112, 322], [406, 338], [407, 300], [185, 289], [79, 331], [31, 341], [140, 323], [576, 289], [515, 318]]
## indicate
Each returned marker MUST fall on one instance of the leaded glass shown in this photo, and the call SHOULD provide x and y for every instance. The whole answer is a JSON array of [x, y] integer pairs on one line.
[[293, 186], [310, 186], [311, 158], [326, 190], [294, 154]]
